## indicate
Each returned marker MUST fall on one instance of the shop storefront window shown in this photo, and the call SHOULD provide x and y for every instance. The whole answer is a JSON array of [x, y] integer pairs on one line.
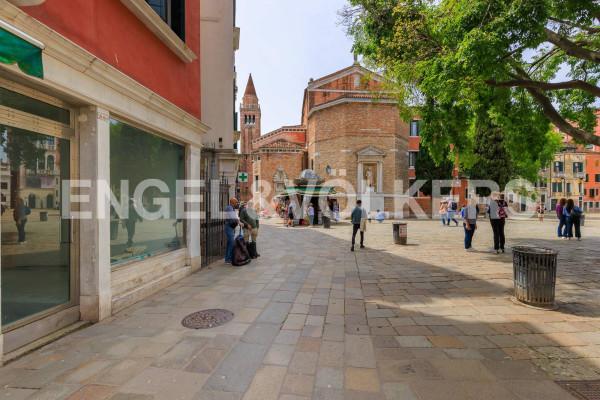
[[35, 239], [20, 102], [137, 157]]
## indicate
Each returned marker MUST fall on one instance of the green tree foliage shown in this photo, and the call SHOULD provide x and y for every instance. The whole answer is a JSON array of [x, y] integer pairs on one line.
[[429, 170], [493, 161], [525, 64], [21, 147], [136, 156]]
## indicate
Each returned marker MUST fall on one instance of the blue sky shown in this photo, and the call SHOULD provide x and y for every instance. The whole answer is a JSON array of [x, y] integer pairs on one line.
[[283, 44]]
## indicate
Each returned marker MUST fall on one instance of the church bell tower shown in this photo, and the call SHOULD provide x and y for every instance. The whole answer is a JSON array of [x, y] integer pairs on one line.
[[250, 131]]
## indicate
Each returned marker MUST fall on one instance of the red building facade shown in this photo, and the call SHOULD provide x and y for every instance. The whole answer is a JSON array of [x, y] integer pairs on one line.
[[113, 33], [591, 200]]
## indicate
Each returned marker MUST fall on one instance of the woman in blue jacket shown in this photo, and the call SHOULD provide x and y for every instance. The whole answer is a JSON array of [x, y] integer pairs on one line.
[[572, 215]]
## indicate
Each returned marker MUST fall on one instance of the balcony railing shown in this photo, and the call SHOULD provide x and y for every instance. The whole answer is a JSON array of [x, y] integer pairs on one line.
[[43, 172], [579, 175]]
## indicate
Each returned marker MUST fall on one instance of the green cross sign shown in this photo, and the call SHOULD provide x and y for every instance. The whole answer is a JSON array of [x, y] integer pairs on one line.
[[242, 177]]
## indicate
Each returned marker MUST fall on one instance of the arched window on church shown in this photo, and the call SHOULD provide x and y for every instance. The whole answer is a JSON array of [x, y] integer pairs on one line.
[[50, 163]]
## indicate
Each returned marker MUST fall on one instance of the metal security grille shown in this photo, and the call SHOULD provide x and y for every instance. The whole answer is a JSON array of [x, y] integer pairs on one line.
[[584, 390], [215, 195]]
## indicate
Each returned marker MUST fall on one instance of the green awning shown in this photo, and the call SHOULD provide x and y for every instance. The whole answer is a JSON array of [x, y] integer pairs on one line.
[[28, 57], [315, 191]]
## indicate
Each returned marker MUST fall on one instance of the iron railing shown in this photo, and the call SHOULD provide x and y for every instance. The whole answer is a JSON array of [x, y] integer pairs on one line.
[[215, 195]]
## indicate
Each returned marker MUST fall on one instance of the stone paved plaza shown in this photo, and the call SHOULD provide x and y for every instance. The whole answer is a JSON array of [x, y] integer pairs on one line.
[[314, 321]]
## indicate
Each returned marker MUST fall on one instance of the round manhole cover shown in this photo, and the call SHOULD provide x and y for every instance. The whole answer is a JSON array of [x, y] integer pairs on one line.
[[207, 319]]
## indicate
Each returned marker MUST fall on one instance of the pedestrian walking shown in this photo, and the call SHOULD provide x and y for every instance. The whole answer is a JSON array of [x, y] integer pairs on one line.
[[290, 215], [20, 214], [443, 211], [469, 215], [311, 214], [286, 213], [572, 215], [231, 222], [497, 211], [541, 210], [451, 211], [562, 219], [250, 219], [358, 218]]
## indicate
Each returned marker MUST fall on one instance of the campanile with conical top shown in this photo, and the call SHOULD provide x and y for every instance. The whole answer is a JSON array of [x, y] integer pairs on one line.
[[250, 130], [249, 117]]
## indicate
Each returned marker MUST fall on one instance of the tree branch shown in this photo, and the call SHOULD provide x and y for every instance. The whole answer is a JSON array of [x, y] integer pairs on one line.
[[540, 61], [554, 116], [589, 29], [526, 83], [571, 48]]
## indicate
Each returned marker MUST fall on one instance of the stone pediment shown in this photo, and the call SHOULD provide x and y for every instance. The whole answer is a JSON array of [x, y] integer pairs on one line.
[[352, 70], [370, 151]]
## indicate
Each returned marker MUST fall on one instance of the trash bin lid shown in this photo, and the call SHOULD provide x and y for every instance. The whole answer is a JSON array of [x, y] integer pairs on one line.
[[534, 250]]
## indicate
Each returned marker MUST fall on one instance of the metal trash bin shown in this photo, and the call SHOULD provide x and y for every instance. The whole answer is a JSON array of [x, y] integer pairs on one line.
[[326, 222], [43, 216], [535, 275], [400, 233]]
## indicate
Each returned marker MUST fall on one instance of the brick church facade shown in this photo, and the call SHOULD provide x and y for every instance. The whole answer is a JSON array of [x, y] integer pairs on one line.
[[351, 136]]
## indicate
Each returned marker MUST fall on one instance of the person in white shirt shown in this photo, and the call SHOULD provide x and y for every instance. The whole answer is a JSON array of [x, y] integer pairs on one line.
[[469, 214], [311, 214], [380, 216]]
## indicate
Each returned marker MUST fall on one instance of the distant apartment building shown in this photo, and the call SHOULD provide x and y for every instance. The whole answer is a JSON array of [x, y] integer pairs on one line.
[[566, 177], [573, 174]]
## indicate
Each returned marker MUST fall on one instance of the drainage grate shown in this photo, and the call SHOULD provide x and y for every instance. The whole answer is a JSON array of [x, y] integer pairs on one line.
[[207, 319], [584, 390]]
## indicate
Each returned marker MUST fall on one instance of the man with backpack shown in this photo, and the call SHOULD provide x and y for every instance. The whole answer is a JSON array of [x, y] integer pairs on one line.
[[497, 211], [452, 210]]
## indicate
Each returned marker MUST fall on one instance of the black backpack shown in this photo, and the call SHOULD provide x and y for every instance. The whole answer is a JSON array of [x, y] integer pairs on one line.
[[241, 256]]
